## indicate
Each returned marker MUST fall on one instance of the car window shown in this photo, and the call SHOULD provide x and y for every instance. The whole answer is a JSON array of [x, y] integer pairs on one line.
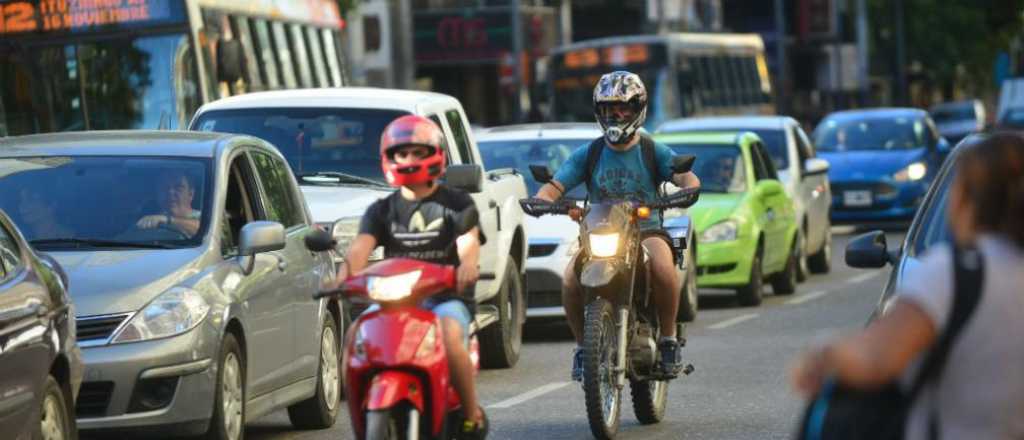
[[239, 207], [144, 200], [279, 199], [10, 255], [934, 225], [803, 150], [870, 133], [520, 154], [444, 139], [312, 140], [774, 140], [720, 167], [459, 133]]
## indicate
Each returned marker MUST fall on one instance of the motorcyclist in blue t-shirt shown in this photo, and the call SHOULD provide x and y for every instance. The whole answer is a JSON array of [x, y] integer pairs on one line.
[[620, 106]]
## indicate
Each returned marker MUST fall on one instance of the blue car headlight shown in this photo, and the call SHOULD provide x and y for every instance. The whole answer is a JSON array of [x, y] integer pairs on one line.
[[174, 312], [913, 172]]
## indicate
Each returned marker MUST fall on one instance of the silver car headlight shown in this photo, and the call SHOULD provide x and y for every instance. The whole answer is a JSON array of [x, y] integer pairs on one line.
[[721, 231], [174, 312]]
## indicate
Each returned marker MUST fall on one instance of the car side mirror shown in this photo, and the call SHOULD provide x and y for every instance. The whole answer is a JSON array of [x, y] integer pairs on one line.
[[768, 188], [942, 146], [815, 166], [259, 237], [868, 251], [319, 240], [467, 177], [682, 163], [541, 173], [229, 60]]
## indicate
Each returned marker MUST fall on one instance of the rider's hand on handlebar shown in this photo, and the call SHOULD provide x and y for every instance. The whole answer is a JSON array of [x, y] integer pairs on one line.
[[576, 214]]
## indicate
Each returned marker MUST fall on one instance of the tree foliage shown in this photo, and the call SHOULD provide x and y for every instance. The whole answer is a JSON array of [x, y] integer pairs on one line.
[[954, 41]]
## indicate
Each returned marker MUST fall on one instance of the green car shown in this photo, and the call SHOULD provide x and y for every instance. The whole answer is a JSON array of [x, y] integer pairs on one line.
[[745, 222]]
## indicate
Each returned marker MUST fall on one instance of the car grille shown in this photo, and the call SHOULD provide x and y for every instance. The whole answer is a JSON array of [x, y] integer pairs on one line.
[[542, 250], [715, 269], [545, 298], [98, 328], [878, 189], [93, 399]]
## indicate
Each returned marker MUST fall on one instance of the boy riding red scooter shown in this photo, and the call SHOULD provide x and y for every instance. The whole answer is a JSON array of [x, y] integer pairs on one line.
[[407, 359]]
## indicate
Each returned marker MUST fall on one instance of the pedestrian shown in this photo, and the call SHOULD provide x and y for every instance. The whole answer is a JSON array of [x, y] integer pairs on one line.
[[980, 394]]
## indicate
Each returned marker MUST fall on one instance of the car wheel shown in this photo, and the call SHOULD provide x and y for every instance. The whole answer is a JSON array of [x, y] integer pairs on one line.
[[821, 262], [54, 420], [751, 293], [688, 296], [784, 283], [228, 421], [320, 410], [501, 342], [802, 271]]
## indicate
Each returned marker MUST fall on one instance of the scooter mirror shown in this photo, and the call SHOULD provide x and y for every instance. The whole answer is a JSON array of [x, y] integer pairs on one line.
[[541, 173], [319, 240], [682, 163]]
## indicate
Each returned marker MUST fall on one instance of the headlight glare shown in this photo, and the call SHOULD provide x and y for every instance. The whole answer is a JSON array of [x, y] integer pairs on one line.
[[604, 245], [176, 311], [392, 288], [721, 231], [914, 171]]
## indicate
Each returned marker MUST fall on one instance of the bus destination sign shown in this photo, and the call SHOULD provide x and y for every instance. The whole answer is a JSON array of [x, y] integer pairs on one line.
[[35, 16]]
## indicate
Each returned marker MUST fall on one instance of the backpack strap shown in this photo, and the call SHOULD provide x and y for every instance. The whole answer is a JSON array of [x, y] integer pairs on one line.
[[593, 157], [650, 161], [968, 280]]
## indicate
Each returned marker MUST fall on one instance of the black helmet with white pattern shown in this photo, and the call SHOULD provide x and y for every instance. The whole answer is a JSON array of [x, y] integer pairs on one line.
[[614, 90]]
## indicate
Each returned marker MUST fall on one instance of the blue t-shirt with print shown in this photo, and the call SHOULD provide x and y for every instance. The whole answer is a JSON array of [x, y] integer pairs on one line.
[[619, 175]]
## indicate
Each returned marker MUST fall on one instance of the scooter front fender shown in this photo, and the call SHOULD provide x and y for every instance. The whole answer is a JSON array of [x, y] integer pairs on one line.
[[389, 388]]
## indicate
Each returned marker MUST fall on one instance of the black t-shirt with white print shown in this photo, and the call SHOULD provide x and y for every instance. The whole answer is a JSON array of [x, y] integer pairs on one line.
[[423, 229]]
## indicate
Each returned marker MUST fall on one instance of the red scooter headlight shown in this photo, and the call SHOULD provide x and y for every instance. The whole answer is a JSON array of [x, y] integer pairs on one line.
[[392, 288]]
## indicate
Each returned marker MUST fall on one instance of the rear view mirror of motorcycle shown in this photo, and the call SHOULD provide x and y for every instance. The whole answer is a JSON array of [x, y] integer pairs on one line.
[[319, 240], [682, 163], [541, 173]]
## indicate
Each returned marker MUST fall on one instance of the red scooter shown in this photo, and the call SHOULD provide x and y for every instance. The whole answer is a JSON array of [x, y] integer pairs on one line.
[[396, 371]]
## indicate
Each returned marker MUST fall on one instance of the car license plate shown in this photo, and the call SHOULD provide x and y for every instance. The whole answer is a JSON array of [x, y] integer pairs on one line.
[[857, 198]]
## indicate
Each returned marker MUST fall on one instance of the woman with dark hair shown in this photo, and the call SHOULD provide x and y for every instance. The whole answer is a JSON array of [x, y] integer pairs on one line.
[[980, 394]]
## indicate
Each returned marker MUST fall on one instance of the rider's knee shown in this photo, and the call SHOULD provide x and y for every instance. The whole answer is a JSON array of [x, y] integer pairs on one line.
[[452, 332]]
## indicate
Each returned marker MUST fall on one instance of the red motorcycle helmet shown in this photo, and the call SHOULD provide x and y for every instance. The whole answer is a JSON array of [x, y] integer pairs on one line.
[[406, 131]]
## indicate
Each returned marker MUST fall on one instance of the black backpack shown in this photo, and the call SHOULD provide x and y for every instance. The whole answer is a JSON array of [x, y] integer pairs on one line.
[[646, 149]]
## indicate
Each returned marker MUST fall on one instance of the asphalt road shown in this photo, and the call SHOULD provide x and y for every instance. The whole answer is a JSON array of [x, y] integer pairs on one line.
[[738, 391]]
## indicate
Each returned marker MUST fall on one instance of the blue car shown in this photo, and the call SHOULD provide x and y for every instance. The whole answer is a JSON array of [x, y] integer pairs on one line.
[[882, 161]]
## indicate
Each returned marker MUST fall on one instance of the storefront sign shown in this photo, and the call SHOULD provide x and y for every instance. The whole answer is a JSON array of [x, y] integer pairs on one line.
[[24, 16], [471, 35]]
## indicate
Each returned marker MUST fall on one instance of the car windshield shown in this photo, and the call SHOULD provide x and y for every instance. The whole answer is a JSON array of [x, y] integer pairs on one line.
[[870, 133], [954, 113], [774, 141], [521, 154], [1013, 118], [719, 167], [934, 226], [90, 201], [313, 140]]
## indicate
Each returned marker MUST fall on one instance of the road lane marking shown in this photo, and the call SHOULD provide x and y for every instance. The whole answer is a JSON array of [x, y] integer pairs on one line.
[[532, 394], [733, 321], [808, 297], [861, 278]]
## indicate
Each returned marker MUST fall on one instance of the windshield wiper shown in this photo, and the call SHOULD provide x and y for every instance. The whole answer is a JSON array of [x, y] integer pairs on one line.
[[91, 242], [342, 178]]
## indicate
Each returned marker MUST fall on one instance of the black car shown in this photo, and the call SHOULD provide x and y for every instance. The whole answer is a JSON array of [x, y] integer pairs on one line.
[[40, 363], [929, 227]]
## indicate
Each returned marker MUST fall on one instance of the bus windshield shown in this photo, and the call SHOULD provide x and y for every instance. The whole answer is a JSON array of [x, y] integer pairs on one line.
[[109, 83]]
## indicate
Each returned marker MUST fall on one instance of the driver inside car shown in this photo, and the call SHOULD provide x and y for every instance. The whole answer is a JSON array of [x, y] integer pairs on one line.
[[620, 107], [174, 194]]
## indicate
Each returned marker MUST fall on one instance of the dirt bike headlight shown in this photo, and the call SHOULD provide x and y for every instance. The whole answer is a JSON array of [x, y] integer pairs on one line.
[[604, 245], [392, 288]]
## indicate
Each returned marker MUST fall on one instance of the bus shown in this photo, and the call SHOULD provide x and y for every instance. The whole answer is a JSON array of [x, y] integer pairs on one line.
[[686, 74], [70, 65]]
